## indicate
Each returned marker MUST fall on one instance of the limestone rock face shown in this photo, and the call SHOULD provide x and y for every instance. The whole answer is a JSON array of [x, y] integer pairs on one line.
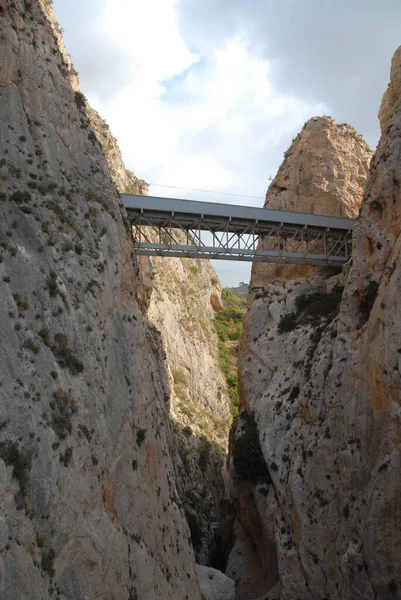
[[180, 298], [324, 172], [214, 584], [88, 498], [393, 92], [319, 369], [181, 309]]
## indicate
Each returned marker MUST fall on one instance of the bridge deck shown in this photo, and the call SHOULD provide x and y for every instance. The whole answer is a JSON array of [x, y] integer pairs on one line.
[[186, 228]]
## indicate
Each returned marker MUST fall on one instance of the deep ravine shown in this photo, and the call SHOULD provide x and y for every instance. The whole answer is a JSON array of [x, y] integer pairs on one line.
[[128, 453]]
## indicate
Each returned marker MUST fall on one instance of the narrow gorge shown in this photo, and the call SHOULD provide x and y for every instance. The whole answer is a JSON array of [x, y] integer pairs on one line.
[[133, 464]]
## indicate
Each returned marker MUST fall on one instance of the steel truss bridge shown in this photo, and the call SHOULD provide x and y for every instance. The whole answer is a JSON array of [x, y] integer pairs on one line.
[[186, 228]]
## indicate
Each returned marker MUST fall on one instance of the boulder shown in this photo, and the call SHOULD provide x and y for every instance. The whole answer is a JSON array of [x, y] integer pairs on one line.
[[214, 585]]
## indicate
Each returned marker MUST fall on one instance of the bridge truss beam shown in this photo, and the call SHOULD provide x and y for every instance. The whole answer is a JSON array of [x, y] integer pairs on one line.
[[164, 232]]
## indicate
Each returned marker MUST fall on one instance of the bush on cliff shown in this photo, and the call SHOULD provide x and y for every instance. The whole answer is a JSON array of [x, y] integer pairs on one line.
[[311, 308], [248, 459]]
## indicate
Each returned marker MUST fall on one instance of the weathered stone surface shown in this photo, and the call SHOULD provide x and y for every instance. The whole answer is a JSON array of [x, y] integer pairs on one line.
[[245, 565], [393, 92], [88, 497], [181, 310], [214, 584], [324, 172], [179, 298], [215, 300], [325, 390]]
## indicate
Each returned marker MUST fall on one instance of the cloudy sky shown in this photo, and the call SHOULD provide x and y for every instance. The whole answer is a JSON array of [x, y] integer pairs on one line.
[[207, 94]]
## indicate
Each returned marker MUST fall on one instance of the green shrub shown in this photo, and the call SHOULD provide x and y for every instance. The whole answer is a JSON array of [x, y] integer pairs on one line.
[[205, 448], [20, 197], [248, 459], [231, 376], [195, 269], [30, 344], [57, 209], [22, 304], [85, 431], [80, 100], [20, 462], [51, 282], [63, 407], [224, 358], [66, 456], [236, 333], [228, 321], [228, 324], [47, 561], [46, 186], [179, 377], [44, 334], [64, 354]]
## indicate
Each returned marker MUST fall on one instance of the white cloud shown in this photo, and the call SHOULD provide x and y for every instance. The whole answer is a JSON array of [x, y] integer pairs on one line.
[[148, 32], [232, 93], [194, 130], [194, 171]]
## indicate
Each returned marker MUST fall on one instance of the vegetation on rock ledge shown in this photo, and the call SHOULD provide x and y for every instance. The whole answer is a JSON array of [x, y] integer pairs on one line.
[[228, 324], [311, 308]]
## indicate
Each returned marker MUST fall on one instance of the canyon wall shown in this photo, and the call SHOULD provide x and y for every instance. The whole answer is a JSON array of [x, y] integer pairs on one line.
[[323, 173], [186, 294], [180, 298], [320, 384], [89, 505]]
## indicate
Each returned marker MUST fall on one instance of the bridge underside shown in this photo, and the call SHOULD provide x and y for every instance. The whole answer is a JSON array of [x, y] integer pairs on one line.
[[274, 236]]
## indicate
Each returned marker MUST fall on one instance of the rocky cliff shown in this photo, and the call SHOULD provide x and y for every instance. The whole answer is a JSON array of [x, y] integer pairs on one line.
[[186, 293], [180, 297], [88, 497], [323, 172], [321, 390]]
